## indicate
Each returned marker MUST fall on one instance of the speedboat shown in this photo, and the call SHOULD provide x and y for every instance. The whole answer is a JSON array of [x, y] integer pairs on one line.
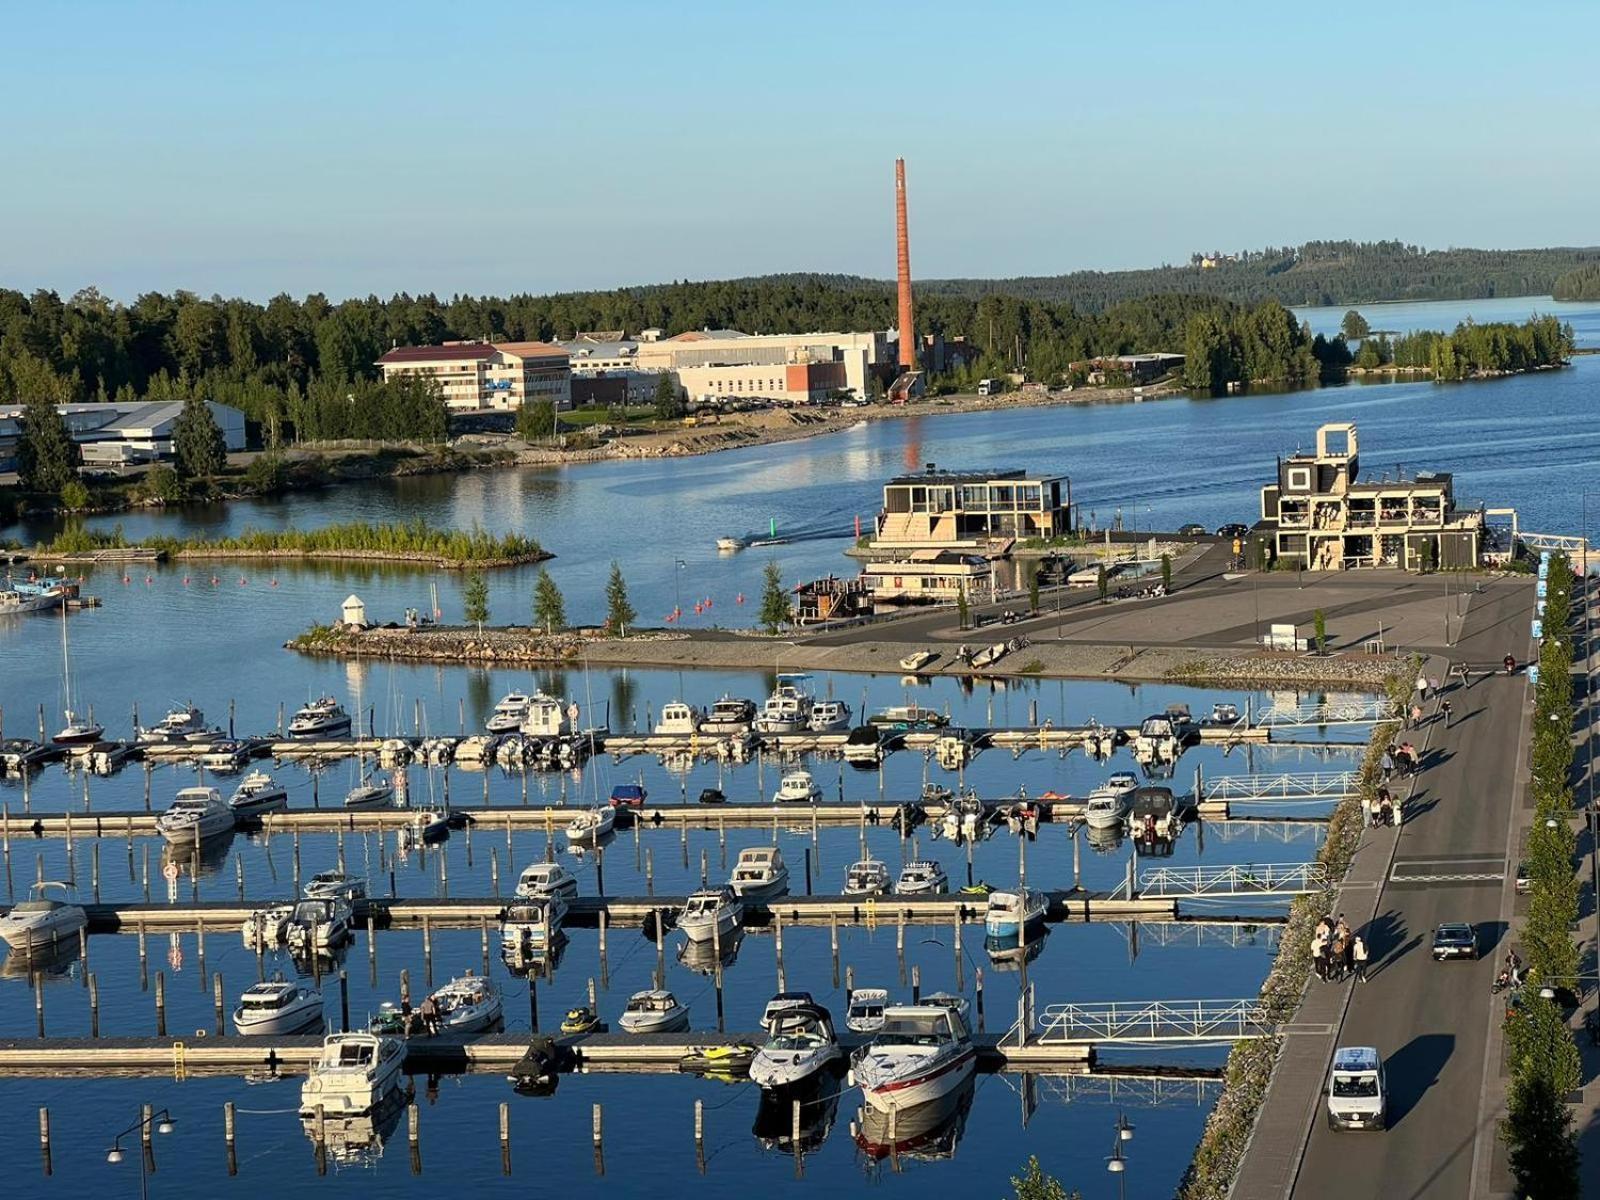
[[180, 724], [730, 715], [592, 825], [829, 716], [921, 878], [864, 746], [1155, 819], [797, 787], [1104, 808], [710, 914], [335, 885], [928, 1132], [801, 1042], [467, 1005], [547, 879], [258, 793], [922, 1052], [907, 717], [864, 1011], [354, 1074], [476, 750], [1122, 781], [729, 544], [963, 817], [319, 926], [788, 709], [1223, 716], [277, 1006], [323, 717], [371, 792], [1009, 913], [267, 928], [223, 756], [508, 714], [46, 918], [679, 719], [437, 751], [430, 825], [197, 813], [759, 874], [867, 877], [531, 926], [655, 1011]]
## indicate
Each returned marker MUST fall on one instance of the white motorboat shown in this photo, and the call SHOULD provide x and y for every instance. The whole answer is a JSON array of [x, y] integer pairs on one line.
[[1104, 808], [921, 1053], [277, 1006], [466, 1005], [78, 731], [323, 717], [917, 659], [800, 1044], [655, 1011], [1122, 781], [428, 826], [47, 918], [679, 720], [797, 787], [1223, 715], [864, 1010], [437, 751], [335, 885], [759, 874], [258, 793], [907, 717], [592, 824], [371, 792], [267, 928], [711, 913], [547, 718], [196, 814], [730, 715], [729, 544], [964, 817], [1009, 913], [222, 756], [788, 709], [867, 877], [319, 926], [394, 752], [354, 1074], [508, 714], [864, 746], [921, 878], [547, 879], [531, 925], [15, 599], [829, 716], [476, 750], [179, 725]]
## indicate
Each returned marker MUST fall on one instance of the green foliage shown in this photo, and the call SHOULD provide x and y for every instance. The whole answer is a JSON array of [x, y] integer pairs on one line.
[[775, 611], [475, 600], [549, 606], [163, 483], [74, 495], [1034, 1184], [667, 401], [1354, 327], [1166, 572], [1543, 1148], [535, 420], [1262, 344], [1490, 348], [266, 474], [197, 443], [963, 609], [1319, 623], [1102, 581], [414, 539], [619, 611], [47, 457], [1580, 283]]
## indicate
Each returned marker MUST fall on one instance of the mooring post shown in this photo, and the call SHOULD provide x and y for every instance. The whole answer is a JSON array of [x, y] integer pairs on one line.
[[44, 1138], [161, 1004], [494, 871], [916, 983], [978, 974], [505, 1138], [344, 1000], [427, 949], [216, 1000], [414, 1136], [94, 1006], [38, 999], [700, 1135], [227, 1136], [794, 1135]]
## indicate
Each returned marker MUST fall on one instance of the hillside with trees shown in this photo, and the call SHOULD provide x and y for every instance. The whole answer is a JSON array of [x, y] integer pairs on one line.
[[1580, 283]]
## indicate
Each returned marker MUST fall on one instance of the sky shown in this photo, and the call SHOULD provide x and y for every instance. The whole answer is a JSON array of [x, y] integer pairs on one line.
[[354, 148]]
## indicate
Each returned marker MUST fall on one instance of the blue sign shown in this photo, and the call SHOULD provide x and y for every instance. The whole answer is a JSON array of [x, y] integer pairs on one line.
[[1538, 630], [497, 385], [1544, 571], [1539, 608], [1533, 674], [1539, 590]]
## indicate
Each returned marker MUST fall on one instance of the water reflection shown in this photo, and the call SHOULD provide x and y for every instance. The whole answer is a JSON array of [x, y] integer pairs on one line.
[[207, 859], [928, 1131], [818, 1103], [357, 1141], [702, 957], [1010, 953]]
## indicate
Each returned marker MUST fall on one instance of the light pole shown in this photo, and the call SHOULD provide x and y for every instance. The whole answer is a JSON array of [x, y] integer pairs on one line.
[[164, 1122], [1117, 1163]]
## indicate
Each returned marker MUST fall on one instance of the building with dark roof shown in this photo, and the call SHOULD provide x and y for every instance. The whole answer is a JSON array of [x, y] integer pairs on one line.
[[487, 376], [972, 509]]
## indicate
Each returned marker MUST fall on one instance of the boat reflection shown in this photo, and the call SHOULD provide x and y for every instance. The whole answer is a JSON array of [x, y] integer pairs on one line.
[[819, 1109], [1105, 839], [1009, 953], [359, 1141], [928, 1131], [207, 859], [52, 962], [522, 961], [701, 957]]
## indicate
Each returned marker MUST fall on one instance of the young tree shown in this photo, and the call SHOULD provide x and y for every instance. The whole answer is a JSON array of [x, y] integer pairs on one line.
[[1354, 327], [549, 608], [47, 457], [197, 443], [963, 610], [775, 610], [475, 600], [619, 612], [1103, 582], [536, 419], [668, 404], [1166, 573], [1319, 622], [1033, 589], [1539, 1136]]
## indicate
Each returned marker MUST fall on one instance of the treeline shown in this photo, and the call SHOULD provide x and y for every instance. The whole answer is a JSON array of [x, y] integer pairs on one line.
[[1474, 349], [1580, 283], [1264, 344]]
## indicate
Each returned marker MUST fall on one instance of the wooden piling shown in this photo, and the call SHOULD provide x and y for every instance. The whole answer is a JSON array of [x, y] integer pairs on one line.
[[216, 1000], [505, 1138], [44, 1139], [228, 1138], [700, 1135], [161, 1004], [978, 975], [94, 1006], [344, 1000]]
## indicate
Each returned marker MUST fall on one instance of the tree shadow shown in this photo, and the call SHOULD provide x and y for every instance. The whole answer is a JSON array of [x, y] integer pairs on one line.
[[1414, 1068]]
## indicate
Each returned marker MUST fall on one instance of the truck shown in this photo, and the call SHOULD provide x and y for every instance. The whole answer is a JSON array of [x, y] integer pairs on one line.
[[989, 387]]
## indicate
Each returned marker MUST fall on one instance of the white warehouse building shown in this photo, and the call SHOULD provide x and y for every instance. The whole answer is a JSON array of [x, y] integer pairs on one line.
[[116, 433]]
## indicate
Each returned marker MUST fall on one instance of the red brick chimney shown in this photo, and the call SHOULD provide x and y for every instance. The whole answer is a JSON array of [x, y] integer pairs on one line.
[[902, 246]]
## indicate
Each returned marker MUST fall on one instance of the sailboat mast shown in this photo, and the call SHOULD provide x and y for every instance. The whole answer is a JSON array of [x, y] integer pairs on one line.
[[66, 666]]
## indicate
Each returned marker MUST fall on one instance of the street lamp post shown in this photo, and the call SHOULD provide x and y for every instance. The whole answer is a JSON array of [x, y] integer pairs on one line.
[[163, 1122], [1117, 1162]]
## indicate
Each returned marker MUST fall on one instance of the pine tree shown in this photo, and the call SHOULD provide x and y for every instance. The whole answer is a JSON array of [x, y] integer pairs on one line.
[[536, 419], [667, 402], [619, 612], [197, 442], [475, 600], [775, 611], [549, 608], [47, 457]]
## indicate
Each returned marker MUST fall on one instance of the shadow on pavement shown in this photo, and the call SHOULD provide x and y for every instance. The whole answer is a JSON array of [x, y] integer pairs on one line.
[[1414, 1068]]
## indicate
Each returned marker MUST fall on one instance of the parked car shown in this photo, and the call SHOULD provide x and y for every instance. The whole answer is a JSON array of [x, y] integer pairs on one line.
[[1192, 529]]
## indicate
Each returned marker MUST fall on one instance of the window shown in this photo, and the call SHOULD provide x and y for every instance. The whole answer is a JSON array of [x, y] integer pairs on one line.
[[1300, 479]]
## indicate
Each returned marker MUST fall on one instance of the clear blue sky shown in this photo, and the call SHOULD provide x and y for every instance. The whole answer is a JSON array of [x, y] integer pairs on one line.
[[348, 147]]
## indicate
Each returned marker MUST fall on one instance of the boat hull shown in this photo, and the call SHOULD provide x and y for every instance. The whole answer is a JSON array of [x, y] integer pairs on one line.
[[209, 828], [296, 1019], [923, 1085], [41, 935], [673, 1022], [706, 929]]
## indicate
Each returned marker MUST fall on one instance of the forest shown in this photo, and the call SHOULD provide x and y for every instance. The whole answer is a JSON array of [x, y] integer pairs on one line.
[[1580, 283]]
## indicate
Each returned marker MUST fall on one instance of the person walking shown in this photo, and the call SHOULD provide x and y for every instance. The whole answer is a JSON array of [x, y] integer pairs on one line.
[[1444, 711], [1358, 956], [1422, 688], [1388, 764], [1416, 717], [1319, 956]]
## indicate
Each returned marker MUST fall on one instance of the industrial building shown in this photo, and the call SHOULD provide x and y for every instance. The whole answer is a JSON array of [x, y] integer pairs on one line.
[[723, 362], [1320, 515], [116, 434], [972, 510], [487, 376]]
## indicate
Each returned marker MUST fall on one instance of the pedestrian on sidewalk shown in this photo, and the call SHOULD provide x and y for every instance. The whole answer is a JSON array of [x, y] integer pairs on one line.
[[1319, 956], [1416, 717], [1422, 688], [1358, 953], [1444, 711], [1433, 685], [1388, 763]]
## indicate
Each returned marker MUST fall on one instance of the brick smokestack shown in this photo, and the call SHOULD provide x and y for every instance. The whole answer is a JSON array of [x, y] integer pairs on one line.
[[902, 249]]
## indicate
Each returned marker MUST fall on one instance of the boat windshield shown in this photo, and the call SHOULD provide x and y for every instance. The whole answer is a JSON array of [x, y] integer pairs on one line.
[[800, 1039], [912, 1031], [358, 1054], [866, 1011]]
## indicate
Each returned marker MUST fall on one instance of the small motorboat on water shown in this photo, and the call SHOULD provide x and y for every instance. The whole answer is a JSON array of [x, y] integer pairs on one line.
[[867, 877], [319, 926], [654, 1011], [1223, 716], [710, 914], [196, 814], [508, 715], [180, 724], [582, 1019], [323, 717], [530, 926], [759, 874], [788, 709], [730, 715], [729, 544], [801, 1043], [864, 746], [335, 885], [864, 1010], [258, 793], [909, 718], [1105, 808], [546, 879], [829, 716], [277, 1006], [922, 1052], [964, 817], [466, 1005], [679, 719], [797, 787], [1011, 912], [267, 928], [48, 917], [922, 878], [430, 825], [354, 1074], [592, 824], [371, 792]]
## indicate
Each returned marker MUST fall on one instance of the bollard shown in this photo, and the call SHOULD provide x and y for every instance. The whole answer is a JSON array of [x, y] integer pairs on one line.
[[319, 1128], [372, 941], [216, 1000], [83, 946], [44, 1139], [661, 946], [344, 1001], [505, 1138], [296, 844], [600, 870], [94, 1006], [603, 923], [161, 1004], [405, 987]]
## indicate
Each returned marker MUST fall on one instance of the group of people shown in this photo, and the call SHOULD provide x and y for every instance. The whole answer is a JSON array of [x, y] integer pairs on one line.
[[1337, 952], [1383, 809], [1399, 758]]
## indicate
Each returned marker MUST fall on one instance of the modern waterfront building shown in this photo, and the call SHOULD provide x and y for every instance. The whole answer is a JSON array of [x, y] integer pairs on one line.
[[723, 362], [487, 376], [116, 433], [971, 510], [1321, 515], [929, 577]]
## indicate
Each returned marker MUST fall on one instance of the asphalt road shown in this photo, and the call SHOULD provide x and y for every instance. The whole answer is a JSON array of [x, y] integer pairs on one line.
[[1427, 1019]]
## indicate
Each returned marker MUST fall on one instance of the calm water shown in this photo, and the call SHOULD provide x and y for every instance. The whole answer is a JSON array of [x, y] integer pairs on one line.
[[176, 633]]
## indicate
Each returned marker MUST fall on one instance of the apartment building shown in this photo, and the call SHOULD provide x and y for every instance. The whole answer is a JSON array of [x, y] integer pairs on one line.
[[488, 376]]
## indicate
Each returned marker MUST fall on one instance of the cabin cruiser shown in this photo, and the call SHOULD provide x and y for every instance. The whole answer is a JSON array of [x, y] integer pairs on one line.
[[223, 756], [801, 1042], [921, 1053], [267, 928], [864, 746], [47, 917], [546, 879], [181, 724], [788, 709], [1104, 808], [731, 714], [466, 1005], [197, 813], [476, 750], [864, 1010], [258, 793], [797, 787], [1155, 820], [319, 926], [1121, 781], [867, 877], [593, 824], [323, 717], [759, 874], [547, 718], [371, 792], [335, 885], [508, 714], [679, 720], [711, 914], [1010, 913], [829, 716], [532, 925], [275, 1007], [655, 1011], [354, 1074], [921, 878]]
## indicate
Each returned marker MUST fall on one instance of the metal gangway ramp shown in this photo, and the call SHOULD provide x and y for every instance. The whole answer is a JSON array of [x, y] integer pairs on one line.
[[1133, 1022], [1365, 711], [1270, 879], [1283, 788]]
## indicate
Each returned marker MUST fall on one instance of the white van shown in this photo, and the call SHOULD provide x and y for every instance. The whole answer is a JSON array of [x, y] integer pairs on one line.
[[1358, 1097]]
